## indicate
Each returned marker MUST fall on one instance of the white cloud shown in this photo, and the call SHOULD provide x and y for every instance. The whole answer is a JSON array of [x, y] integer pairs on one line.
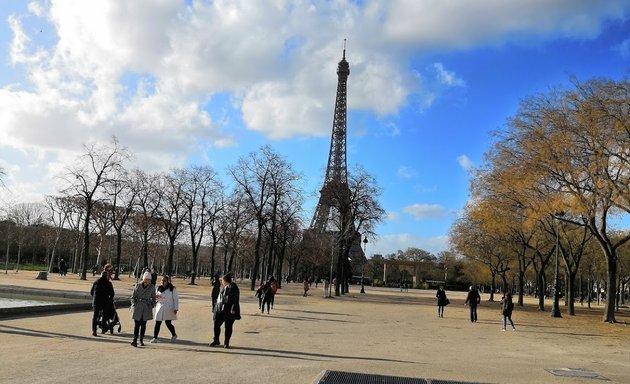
[[391, 243], [623, 48], [425, 211], [465, 162], [406, 172], [275, 60], [446, 77], [456, 24]]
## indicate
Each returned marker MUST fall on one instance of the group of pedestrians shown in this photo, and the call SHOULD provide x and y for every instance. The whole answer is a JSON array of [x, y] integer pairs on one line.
[[472, 301], [161, 304], [266, 294]]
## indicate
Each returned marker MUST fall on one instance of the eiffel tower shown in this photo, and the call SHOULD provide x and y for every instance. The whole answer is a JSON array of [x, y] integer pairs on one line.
[[336, 180], [335, 191]]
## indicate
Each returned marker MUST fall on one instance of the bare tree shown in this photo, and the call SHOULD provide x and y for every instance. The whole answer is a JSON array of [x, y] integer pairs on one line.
[[25, 216], [121, 194], [144, 218], [60, 209], [359, 212], [171, 211], [232, 223], [252, 174], [201, 191], [87, 176]]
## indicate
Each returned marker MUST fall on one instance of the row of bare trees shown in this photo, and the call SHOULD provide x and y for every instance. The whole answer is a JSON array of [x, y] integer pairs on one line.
[[556, 184], [100, 198]]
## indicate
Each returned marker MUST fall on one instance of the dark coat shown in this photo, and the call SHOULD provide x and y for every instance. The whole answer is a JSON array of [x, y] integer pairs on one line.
[[473, 298], [441, 296], [507, 306], [228, 302], [102, 292], [267, 292]]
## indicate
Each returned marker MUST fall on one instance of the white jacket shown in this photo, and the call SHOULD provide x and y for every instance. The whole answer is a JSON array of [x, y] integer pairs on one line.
[[167, 304]]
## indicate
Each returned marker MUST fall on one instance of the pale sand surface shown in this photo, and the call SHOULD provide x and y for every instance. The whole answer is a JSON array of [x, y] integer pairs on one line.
[[383, 332]]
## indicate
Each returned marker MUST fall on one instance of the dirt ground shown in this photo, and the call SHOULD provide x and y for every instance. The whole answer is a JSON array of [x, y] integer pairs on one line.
[[383, 331]]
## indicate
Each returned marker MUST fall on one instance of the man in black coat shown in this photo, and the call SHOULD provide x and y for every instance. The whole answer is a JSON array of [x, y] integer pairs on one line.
[[227, 310], [472, 300], [102, 297]]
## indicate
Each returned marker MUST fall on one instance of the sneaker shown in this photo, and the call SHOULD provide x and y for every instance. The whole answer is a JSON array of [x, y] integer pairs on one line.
[[215, 343], [173, 338], [513, 329], [154, 340], [502, 329], [141, 343], [134, 344]]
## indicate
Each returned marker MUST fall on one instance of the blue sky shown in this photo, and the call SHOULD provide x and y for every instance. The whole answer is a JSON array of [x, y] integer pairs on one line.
[[205, 82]]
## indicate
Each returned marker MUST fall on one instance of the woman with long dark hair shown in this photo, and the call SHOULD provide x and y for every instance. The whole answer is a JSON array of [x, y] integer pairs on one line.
[[166, 308], [442, 300]]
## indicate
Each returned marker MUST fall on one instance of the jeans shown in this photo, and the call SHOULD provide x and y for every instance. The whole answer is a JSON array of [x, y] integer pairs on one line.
[[505, 318], [473, 312]]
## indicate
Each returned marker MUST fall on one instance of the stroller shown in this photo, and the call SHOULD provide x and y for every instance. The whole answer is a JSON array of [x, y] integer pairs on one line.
[[108, 318]]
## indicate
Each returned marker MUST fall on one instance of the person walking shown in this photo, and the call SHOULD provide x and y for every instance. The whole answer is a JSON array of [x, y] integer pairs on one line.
[[63, 267], [472, 300], [226, 311], [102, 296], [267, 296], [108, 268], [216, 289], [507, 307], [142, 303], [307, 286], [166, 308], [273, 284], [442, 300], [260, 294]]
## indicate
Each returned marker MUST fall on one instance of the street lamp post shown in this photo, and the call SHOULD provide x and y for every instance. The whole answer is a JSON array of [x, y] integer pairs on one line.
[[555, 312], [332, 260], [365, 241]]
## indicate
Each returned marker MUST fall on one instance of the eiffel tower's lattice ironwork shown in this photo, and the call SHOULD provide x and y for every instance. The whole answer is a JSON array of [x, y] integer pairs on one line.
[[336, 180]]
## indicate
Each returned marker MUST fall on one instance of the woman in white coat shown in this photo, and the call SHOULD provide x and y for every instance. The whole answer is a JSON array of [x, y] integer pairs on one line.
[[166, 309]]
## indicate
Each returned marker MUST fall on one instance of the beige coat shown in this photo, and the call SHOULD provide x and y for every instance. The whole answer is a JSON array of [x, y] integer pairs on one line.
[[167, 304]]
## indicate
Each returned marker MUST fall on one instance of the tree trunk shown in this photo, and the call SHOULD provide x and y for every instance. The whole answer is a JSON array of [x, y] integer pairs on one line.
[[145, 247], [521, 287], [171, 253], [118, 253], [86, 240], [212, 254], [542, 289], [611, 289], [571, 292], [493, 285], [256, 256], [17, 266], [6, 264]]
